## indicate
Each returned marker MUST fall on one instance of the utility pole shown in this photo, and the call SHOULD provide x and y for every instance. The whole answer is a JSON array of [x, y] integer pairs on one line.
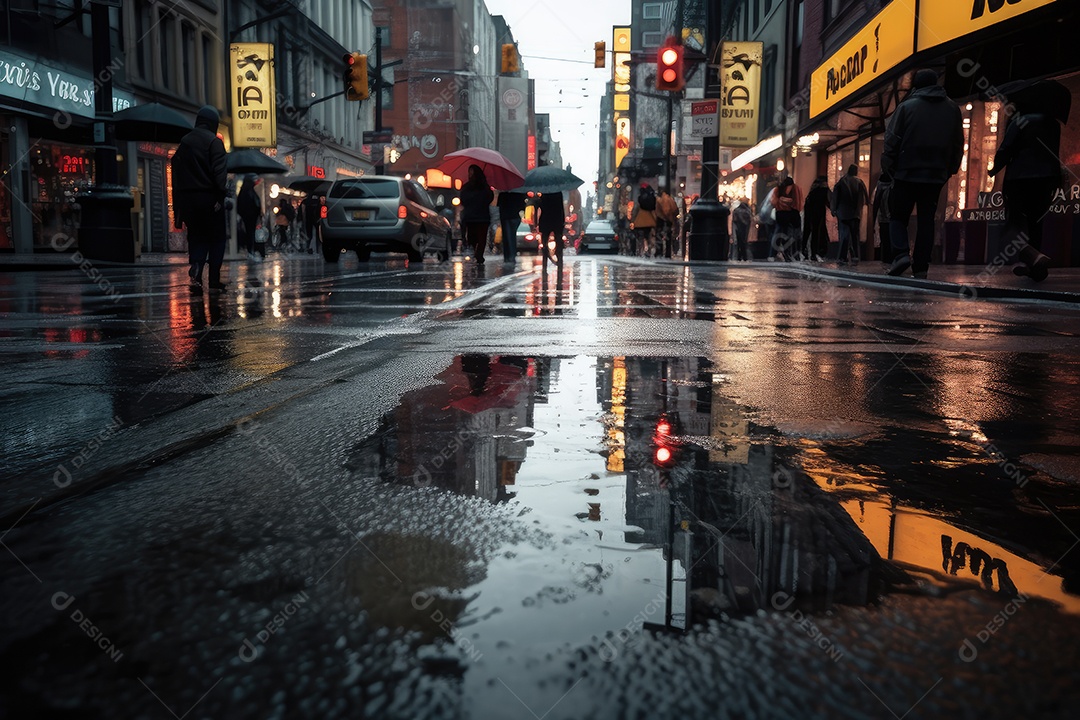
[[708, 239]]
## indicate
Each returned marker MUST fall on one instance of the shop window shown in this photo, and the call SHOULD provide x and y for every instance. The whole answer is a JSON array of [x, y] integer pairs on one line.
[[57, 173]]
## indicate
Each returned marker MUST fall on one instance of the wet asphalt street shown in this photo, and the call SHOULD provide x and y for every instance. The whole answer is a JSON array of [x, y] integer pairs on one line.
[[625, 490]]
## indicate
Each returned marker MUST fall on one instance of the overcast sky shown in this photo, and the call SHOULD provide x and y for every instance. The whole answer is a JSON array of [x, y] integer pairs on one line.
[[565, 30]]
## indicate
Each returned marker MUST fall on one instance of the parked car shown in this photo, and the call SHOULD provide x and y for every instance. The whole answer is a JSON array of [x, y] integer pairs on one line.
[[383, 214], [527, 237], [599, 236]]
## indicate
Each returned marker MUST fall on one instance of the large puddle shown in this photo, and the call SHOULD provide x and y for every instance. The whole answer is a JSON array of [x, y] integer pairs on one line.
[[666, 505]]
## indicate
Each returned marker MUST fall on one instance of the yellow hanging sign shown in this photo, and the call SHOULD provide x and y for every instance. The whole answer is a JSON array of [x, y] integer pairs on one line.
[[254, 100]]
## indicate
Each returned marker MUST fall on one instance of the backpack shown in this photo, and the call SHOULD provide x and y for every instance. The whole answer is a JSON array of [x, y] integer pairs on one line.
[[647, 199]]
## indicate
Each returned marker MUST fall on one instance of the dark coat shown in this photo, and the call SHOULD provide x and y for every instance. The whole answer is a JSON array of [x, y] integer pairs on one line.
[[248, 205], [849, 198], [552, 214], [198, 173], [1030, 149], [511, 204], [924, 142], [475, 199], [817, 201]]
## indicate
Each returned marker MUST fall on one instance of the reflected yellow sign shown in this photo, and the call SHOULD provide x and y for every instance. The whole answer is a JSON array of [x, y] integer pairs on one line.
[[943, 20], [254, 101], [881, 45]]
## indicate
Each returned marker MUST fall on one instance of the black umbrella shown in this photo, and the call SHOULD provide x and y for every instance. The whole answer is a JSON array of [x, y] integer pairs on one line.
[[254, 162], [309, 184], [549, 179], [153, 122], [1046, 96]]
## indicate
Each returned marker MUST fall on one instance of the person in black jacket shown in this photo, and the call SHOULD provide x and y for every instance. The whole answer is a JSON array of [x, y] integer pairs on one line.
[[198, 177], [476, 197], [815, 232], [552, 222], [849, 197], [924, 145], [249, 208], [1030, 151]]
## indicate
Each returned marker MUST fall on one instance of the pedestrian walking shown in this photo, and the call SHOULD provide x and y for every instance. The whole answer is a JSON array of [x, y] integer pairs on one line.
[[643, 219], [924, 145], [1029, 154], [249, 208], [849, 197], [882, 216], [551, 222], [284, 214], [815, 230], [511, 205], [476, 198], [312, 208], [787, 199], [741, 217], [199, 175], [667, 214]]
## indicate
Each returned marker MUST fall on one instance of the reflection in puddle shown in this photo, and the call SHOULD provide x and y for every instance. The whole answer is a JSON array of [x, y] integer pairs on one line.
[[666, 507]]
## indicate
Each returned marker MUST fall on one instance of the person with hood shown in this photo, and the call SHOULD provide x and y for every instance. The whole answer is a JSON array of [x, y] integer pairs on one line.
[[787, 199], [476, 198], [1030, 152], [249, 208], [924, 146], [815, 231], [199, 175], [741, 217], [849, 197], [643, 219]]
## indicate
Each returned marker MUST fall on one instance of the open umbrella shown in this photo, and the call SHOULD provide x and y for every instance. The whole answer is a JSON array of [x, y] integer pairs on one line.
[[1046, 96], [251, 161], [549, 179], [152, 122], [309, 184], [501, 173]]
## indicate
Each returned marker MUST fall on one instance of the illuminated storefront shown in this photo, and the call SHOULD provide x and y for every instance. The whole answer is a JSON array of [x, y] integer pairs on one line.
[[854, 92]]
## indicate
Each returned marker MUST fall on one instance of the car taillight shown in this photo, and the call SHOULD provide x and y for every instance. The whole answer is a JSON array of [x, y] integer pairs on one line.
[[402, 212]]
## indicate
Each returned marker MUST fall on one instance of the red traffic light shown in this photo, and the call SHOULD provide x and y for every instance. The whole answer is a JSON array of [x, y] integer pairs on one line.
[[663, 427], [663, 455], [349, 59], [669, 67]]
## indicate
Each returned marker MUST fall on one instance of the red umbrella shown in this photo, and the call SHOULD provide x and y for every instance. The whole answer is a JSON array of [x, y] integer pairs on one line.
[[501, 173]]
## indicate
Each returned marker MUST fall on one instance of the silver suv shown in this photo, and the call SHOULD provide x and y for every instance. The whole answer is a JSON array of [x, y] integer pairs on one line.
[[383, 214]]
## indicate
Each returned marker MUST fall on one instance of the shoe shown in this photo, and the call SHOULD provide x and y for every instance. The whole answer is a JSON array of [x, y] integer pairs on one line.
[[920, 275], [1021, 269], [900, 265], [479, 261], [841, 263], [217, 285], [195, 287]]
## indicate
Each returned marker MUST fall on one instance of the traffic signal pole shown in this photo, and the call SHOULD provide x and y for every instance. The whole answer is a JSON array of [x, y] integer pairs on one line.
[[105, 229]]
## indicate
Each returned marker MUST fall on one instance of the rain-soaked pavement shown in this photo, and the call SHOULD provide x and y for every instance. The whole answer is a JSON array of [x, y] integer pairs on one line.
[[625, 490]]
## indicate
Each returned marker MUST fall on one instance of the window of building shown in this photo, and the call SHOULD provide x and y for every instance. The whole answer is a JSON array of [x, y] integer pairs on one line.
[[757, 14], [385, 34], [651, 11], [207, 63], [768, 89], [187, 70], [141, 43], [652, 39], [833, 9], [165, 36]]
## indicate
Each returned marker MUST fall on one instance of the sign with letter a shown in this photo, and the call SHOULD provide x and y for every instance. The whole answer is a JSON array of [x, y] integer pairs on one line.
[[740, 93], [254, 97]]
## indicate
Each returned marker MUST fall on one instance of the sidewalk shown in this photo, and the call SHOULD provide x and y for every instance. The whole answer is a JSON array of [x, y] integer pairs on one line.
[[968, 281], [67, 261]]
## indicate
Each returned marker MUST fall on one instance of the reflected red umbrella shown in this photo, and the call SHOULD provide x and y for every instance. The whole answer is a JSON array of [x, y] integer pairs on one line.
[[501, 172]]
